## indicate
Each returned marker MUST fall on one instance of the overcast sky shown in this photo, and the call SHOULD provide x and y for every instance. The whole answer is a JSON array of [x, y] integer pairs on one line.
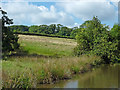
[[66, 12]]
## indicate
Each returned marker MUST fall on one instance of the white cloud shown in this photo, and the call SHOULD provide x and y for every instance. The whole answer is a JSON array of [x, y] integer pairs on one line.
[[43, 8], [76, 25], [24, 13], [87, 9]]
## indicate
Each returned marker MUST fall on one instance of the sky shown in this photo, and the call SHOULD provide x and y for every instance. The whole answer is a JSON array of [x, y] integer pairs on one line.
[[69, 13]]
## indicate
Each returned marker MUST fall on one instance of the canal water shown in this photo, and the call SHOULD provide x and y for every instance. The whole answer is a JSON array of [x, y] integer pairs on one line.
[[105, 76]]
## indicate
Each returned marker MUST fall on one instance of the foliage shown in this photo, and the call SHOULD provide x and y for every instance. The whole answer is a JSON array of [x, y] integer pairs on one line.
[[115, 34], [18, 28], [49, 30], [74, 32], [95, 38], [9, 40], [65, 31]]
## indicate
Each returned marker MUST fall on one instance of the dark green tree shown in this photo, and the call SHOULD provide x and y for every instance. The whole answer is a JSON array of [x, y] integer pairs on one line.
[[58, 28], [34, 29], [9, 40], [51, 29], [19, 28]]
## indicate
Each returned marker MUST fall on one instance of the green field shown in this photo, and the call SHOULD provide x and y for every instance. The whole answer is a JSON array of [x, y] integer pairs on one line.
[[48, 46], [46, 60]]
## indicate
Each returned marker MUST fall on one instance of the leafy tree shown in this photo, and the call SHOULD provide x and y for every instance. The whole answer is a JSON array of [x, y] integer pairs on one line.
[[64, 31], [115, 33], [58, 28], [19, 28], [51, 29], [95, 38], [44, 29], [34, 29], [9, 40], [74, 32]]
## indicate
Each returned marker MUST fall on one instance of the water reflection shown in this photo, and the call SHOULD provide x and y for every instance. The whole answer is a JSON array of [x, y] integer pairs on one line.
[[103, 77]]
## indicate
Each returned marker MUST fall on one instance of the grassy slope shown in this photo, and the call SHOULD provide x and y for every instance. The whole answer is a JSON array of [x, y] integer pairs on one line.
[[27, 71], [47, 45]]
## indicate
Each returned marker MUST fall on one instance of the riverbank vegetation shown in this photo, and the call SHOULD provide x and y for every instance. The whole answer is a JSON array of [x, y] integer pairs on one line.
[[24, 72]]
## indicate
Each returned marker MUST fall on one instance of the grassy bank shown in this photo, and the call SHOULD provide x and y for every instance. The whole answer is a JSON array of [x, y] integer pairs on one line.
[[37, 67], [28, 72]]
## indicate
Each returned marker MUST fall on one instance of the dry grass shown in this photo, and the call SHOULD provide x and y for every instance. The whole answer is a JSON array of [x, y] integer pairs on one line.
[[53, 40]]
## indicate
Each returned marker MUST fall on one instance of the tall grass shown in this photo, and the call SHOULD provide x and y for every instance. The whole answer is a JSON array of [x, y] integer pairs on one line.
[[28, 72]]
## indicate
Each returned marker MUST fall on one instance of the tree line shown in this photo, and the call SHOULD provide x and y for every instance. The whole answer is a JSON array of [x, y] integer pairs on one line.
[[49, 30]]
